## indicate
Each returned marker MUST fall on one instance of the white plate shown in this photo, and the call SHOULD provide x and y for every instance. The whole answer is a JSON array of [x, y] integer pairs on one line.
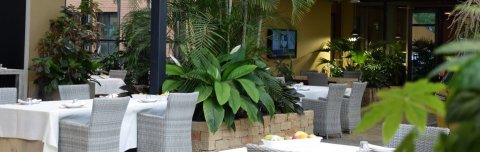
[[147, 100], [291, 143], [73, 105]]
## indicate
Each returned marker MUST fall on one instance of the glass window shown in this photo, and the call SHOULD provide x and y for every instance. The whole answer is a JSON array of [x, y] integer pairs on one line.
[[423, 18], [108, 39]]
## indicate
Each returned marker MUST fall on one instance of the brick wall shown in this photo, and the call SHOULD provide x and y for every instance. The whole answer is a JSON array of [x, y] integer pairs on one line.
[[110, 6], [280, 124]]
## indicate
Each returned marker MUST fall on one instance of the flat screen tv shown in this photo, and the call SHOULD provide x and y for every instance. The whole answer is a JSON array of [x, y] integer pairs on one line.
[[282, 43]]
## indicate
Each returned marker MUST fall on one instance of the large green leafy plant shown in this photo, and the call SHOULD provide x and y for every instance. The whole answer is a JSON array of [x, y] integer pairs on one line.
[[66, 52], [231, 86], [383, 66]]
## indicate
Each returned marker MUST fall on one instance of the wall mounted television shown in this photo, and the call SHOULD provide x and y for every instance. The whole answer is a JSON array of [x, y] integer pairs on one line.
[[282, 43]]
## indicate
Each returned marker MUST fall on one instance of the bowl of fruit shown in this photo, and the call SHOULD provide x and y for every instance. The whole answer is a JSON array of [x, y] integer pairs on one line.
[[299, 139]]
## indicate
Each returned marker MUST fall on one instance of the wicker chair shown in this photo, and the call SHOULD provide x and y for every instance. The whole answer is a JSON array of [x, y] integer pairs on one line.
[[326, 119], [69, 92], [352, 74], [165, 130], [258, 148], [350, 113], [98, 133], [317, 79], [121, 74], [280, 79], [8, 95], [424, 143]]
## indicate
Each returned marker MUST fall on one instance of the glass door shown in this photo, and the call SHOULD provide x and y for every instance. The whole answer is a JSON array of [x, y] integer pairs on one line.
[[423, 39]]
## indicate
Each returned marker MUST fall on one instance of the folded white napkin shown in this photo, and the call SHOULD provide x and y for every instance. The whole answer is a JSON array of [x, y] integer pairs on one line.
[[34, 101], [377, 148]]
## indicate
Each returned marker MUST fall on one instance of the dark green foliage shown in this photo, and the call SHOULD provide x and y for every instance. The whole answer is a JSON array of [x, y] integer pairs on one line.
[[425, 61], [136, 33], [66, 51], [384, 65]]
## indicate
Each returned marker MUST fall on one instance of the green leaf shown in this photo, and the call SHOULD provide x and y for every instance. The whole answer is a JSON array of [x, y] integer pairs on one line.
[[468, 76], [241, 71], [251, 110], [267, 101], [222, 92], [250, 88], [169, 85], [174, 70], [391, 124], [204, 92], [417, 116], [235, 100], [459, 46], [230, 120], [214, 114]]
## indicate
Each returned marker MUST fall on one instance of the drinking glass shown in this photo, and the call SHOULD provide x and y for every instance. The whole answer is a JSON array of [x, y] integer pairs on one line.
[[363, 147], [29, 101], [74, 101]]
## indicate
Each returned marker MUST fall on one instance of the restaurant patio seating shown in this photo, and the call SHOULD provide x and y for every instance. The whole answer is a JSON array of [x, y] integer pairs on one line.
[[99, 132], [258, 148], [121, 74], [425, 141], [317, 79], [326, 119], [167, 129], [351, 106], [8, 95], [70, 92]]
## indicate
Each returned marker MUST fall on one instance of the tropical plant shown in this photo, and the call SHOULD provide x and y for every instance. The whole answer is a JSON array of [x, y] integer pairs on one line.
[[416, 99], [230, 86], [136, 34], [383, 66], [66, 52], [352, 58], [284, 69]]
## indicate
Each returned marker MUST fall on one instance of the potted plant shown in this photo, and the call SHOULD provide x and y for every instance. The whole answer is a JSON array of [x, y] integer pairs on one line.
[[66, 52]]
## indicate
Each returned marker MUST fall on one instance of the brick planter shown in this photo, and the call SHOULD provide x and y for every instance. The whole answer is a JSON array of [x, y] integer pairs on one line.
[[224, 138]]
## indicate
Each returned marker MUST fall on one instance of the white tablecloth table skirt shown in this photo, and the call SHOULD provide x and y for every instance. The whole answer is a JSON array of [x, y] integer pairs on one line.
[[40, 121], [315, 92]]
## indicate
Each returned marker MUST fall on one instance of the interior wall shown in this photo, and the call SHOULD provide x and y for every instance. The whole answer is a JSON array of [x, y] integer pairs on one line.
[[41, 12], [347, 19], [313, 32]]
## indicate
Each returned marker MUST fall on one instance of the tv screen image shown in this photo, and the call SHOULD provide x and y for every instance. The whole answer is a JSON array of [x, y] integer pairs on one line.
[[282, 42]]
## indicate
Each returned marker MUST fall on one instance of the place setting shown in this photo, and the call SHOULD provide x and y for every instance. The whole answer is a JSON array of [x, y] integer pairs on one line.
[[148, 98], [29, 101], [74, 104]]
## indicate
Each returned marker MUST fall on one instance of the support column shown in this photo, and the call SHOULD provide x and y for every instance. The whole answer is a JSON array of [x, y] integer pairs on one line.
[[158, 45]]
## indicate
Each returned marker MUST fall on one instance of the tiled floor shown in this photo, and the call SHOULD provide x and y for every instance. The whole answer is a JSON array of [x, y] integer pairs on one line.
[[373, 136]]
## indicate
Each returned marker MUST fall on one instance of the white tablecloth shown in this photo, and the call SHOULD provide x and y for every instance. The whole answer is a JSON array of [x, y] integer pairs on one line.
[[321, 147], [40, 121], [314, 92], [108, 85]]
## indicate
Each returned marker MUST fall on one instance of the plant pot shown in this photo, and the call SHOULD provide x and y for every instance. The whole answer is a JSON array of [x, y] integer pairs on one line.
[[248, 132], [370, 96]]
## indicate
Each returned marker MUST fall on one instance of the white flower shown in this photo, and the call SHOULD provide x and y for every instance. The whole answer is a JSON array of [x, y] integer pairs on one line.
[[235, 49], [175, 60]]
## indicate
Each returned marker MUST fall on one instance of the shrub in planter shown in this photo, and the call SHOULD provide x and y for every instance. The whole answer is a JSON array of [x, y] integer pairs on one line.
[[230, 85], [66, 52]]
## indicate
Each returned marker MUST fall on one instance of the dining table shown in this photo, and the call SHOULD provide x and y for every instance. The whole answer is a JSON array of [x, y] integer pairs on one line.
[[315, 92], [40, 122], [106, 85], [320, 147]]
